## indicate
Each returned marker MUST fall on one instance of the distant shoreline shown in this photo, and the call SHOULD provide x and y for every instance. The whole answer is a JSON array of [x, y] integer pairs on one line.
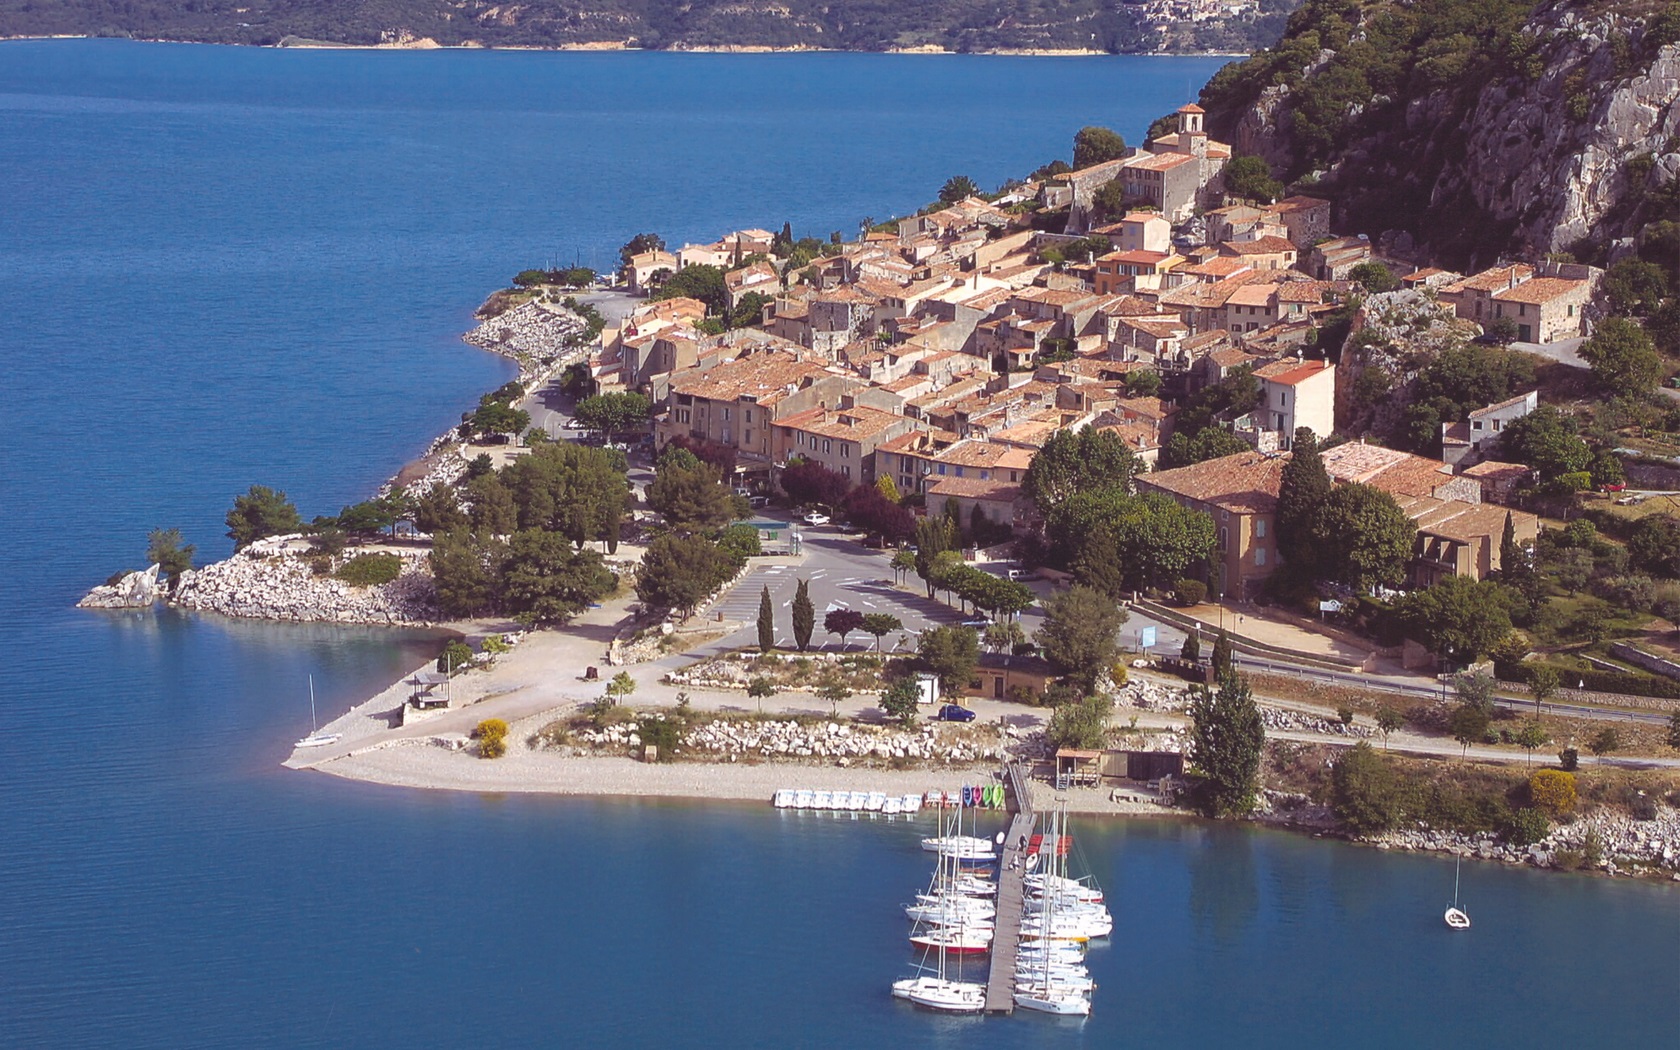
[[605, 46]]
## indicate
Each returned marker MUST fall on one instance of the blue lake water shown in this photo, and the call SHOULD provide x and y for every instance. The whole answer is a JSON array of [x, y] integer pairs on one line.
[[223, 266]]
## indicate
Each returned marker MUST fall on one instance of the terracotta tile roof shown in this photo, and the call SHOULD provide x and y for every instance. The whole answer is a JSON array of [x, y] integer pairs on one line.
[[1139, 257], [1299, 203], [1264, 246], [993, 491], [1494, 279], [1224, 266], [1497, 470], [767, 376], [1137, 436], [1253, 295], [1289, 372], [1303, 291], [859, 423], [1395, 472], [1159, 161], [1510, 402], [1540, 290], [1247, 482]]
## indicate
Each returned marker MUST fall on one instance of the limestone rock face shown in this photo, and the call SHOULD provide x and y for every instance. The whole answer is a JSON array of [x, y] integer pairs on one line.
[[137, 590], [269, 580], [1547, 151]]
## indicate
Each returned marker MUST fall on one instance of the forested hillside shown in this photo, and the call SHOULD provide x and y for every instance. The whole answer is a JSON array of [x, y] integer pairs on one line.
[[856, 25]]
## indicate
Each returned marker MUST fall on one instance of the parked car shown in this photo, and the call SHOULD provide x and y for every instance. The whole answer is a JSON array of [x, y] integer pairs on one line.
[[758, 501], [1617, 486], [816, 518], [954, 713], [1021, 574], [979, 623]]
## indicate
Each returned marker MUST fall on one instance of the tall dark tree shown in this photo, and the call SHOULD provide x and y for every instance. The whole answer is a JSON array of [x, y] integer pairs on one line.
[[1366, 539], [1227, 741], [1302, 493], [173, 557], [956, 188], [467, 570], [1094, 145], [261, 512], [804, 616], [1224, 654], [678, 572], [694, 499], [809, 482], [639, 245], [545, 581], [766, 622], [934, 536]]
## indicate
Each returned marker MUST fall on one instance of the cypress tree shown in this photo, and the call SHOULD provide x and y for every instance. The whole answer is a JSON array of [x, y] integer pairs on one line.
[[1223, 654], [804, 616], [1302, 493], [766, 623], [1227, 738]]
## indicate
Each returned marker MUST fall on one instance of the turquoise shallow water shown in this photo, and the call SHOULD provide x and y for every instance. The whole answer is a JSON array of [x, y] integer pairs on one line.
[[221, 266]]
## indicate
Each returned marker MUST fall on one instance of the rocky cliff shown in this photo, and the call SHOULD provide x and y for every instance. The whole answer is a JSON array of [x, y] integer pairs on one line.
[[1478, 127]]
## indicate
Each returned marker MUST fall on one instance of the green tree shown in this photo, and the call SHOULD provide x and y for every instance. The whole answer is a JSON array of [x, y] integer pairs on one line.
[[934, 536], [439, 510], [1004, 637], [1191, 650], [467, 572], [613, 413], [702, 281], [1622, 358], [1531, 737], [165, 548], [1227, 741], [1081, 634], [694, 499], [842, 622], [903, 563], [456, 655], [1545, 439], [1211, 442], [1634, 287], [1072, 462], [680, 572], [1096, 145], [834, 689], [1250, 178], [1375, 276], [1605, 741], [804, 616], [494, 511], [1303, 491], [1365, 792], [952, 653], [1388, 720], [620, 686], [760, 687], [1478, 689], [1118, 542], [261, 512], [1542, 684], [1083, 724], [1468, 725], [1367, 539], [1459, 618], [1654, 545], [899, 700], [879, 624], [1111, 201], [545, 581], [957, 188], [766, 622], [1224, 654], [640, 244]]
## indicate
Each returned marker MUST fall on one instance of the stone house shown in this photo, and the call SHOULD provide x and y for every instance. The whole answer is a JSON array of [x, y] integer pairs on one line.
[[1239, 493], [1334, 260], [842, 439], [999, 502], [1296, 393], [1545, 309], [1469, 441], [737, 403], [1139, 231], [643, 267]]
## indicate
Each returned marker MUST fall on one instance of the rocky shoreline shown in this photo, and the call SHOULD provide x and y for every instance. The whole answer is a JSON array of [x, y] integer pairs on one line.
[[273, 579]]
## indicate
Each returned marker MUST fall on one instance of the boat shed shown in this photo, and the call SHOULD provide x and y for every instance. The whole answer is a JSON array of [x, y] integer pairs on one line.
[[1075, 766], [425, 693]]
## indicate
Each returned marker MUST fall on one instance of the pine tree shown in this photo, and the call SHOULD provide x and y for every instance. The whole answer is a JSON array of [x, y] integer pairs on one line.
[[1227, 739], [1303, 490], [766, 623], [1223, 654], [804, 616]]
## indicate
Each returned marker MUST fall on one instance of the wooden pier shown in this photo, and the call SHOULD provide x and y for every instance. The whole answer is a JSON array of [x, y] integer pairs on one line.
[[1011, 896]]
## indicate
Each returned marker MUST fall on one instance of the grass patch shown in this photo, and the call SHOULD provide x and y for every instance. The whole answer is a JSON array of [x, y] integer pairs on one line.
[[370, 570]]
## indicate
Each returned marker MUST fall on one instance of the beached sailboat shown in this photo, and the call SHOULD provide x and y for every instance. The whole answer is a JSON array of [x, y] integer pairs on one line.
[[1455, 916], [316, 738]]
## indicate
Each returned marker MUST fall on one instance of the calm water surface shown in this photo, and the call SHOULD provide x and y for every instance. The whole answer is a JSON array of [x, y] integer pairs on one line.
[[223, 266]]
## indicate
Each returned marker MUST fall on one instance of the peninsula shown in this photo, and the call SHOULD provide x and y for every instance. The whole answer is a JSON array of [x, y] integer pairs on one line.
[[1167, 471]]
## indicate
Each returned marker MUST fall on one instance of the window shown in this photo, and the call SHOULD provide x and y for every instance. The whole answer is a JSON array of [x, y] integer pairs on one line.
[[1224, 537], [1475, 424], [1259, 528], [726, 414], [828, 446], [845, 470], [746, 436], [749, 415], [1259, 555], [845, 450]]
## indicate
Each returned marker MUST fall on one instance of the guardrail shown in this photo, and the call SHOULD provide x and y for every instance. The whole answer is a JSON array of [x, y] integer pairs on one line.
[[1244, 644]]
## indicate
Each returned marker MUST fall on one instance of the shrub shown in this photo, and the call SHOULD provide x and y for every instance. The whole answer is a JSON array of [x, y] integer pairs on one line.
[[496, 645], [492, 738], [1189, 592], [1365, 793], [1528, 826], [660, 733], [1552, 790], [370, 570], [1569, 759], [456, 655]]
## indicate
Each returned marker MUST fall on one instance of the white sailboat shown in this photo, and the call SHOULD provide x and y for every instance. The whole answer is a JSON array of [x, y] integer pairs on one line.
[[316, 738], [938, 991], [1065, 993], [1455, 917]]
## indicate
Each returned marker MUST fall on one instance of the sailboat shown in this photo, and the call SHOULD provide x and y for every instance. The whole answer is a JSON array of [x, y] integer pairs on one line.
[[1045, 989], [939, 992], [316, 738], [1456, 918]]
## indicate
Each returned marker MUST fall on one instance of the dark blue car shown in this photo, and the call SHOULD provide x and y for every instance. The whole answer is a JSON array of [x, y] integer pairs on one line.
[[955, 713]]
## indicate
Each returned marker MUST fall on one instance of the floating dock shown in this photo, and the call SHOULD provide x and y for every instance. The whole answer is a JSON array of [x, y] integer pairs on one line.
[[1011, 897]]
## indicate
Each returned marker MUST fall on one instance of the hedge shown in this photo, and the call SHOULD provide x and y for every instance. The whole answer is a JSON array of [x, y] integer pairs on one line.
[[1631, 683], [370, 570]]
